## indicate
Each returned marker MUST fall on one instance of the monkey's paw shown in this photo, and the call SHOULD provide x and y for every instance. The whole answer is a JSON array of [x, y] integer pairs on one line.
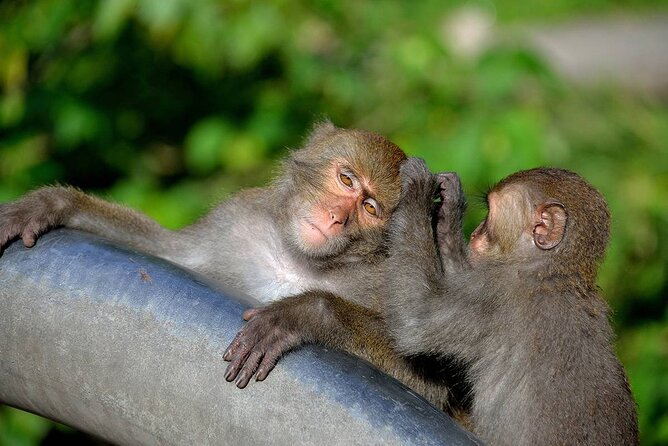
[[21, 219], [451, 192], [258, 346], [417, 182]]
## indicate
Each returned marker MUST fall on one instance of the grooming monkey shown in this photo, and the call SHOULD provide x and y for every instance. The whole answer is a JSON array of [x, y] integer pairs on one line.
[[523, 312], [518, 307]]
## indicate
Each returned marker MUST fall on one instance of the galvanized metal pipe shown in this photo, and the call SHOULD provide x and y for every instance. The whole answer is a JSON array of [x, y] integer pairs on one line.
[[129, 348]]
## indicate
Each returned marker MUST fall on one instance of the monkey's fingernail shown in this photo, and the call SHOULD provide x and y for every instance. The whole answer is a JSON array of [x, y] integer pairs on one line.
[[248, 314], [229, 373], [242, 382], [228, 352], [261, 374]]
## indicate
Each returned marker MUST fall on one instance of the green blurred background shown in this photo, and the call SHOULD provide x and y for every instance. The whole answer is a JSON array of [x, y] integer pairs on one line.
[[170, 105]]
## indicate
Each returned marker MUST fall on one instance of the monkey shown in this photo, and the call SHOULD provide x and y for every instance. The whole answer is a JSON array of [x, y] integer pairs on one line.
[[317, 229], [319, 225], [518, 307]]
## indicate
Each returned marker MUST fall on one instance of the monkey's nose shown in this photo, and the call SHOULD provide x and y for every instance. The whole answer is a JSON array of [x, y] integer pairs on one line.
[[338, 215]]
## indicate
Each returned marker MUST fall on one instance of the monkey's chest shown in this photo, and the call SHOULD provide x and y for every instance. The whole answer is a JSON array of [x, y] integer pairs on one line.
[[280, 277]]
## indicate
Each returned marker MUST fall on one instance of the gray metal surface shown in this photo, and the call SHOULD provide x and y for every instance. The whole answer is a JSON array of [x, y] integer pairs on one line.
[[129, 348]]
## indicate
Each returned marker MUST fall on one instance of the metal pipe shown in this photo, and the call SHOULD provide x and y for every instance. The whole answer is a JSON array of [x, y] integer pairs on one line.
[[128, 347]]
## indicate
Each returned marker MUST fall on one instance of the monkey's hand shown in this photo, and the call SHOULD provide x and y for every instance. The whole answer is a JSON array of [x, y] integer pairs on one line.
[[270, 332], [418, 187], [34, 214], [410, 227], [453, 204], [449, 216]]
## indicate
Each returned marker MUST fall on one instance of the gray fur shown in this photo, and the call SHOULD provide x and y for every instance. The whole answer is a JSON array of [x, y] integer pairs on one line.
[[539, 347], [248, 242]]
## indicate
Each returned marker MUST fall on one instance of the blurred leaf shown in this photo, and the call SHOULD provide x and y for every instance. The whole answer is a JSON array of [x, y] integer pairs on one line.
[[76, 123], [170, 105], [111, 15], [18, 428], [205, 143]]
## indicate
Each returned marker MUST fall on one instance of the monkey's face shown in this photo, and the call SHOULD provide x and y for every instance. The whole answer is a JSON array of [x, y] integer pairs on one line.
[[518, 225], [344, 185], [345, 210]]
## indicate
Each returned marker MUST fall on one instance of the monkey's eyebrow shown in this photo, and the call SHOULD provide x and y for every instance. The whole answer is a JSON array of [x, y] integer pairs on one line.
[[345, 168]]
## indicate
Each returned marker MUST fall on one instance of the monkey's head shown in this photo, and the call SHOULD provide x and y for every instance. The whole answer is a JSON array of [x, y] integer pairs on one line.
[[344, 185], [545, 216]]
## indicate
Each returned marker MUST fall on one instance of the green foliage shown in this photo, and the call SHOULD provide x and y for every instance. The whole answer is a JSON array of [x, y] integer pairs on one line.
[[20, 428], [645, 351], [170, 105]]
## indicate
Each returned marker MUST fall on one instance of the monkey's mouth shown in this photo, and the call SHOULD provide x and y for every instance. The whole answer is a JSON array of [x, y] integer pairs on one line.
[[316, 228], [312, 234]]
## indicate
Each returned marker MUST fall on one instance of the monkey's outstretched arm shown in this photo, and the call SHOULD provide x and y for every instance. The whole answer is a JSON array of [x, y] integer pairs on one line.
[[313, 317], [50, 207], [419, 312], [414, 259]]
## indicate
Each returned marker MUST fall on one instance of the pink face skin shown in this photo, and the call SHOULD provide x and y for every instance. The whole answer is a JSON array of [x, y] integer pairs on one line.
[[479, 242], [346, 199], [507, 230]]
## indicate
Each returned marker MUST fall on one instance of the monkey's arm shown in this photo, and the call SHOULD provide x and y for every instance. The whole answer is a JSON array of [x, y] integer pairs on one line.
[[50, 207], [423, 312], [319, 317], [313, 317]]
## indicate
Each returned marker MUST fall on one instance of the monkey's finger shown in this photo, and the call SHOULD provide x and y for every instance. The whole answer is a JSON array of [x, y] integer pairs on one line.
[[268, 363], [235, 366], [250, 313], [239, 348], [448, 181], [29, 234], [28, 238], [231, 349], [232, 369], [249, 368]]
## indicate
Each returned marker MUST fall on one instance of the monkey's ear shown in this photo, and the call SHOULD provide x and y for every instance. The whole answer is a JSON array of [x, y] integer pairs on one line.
[[549, 225]]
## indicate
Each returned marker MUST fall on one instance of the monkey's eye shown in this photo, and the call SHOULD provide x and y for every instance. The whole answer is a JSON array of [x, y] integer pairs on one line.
[[371, 207], [346, 179]]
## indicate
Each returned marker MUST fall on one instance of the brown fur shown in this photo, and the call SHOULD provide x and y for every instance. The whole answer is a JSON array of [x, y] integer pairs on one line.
[[527, 320], [248, 242]]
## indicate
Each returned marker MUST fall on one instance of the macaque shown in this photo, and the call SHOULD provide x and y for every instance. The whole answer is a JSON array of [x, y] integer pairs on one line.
[[518, 307], [522, 310], [318, 229], [319, 225]]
